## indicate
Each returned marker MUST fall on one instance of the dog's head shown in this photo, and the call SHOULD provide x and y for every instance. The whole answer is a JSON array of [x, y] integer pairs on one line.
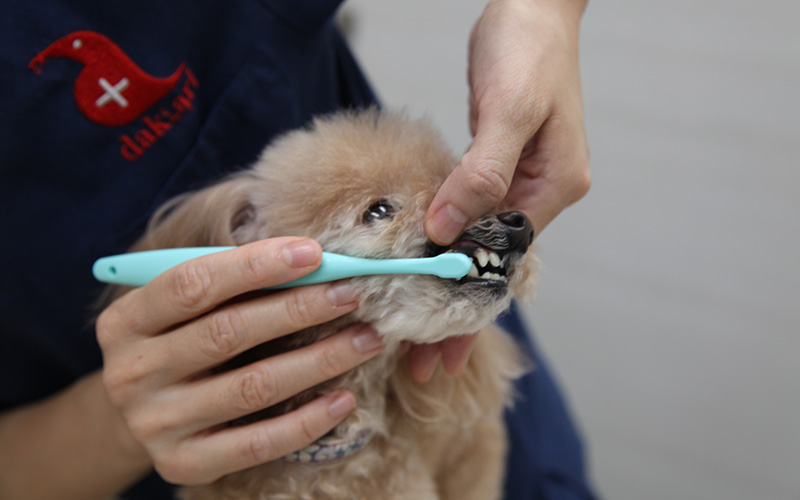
[[360, 184]]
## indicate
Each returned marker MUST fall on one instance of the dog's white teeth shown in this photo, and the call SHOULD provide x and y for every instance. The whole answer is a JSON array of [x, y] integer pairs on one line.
[[473, 271], [482, 257], [494, 259], [494, 277]]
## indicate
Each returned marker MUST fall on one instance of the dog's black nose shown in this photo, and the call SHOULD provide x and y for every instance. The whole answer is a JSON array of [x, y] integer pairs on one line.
[[520, 230]]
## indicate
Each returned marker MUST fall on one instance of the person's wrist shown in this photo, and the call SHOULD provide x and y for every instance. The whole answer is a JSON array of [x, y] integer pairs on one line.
[[129, 453]]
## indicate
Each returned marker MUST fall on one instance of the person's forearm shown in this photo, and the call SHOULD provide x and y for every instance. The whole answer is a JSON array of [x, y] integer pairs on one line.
[[73, 445]]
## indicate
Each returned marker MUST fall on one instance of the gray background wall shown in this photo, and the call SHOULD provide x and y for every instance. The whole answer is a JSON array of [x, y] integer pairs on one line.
[[670, 301]]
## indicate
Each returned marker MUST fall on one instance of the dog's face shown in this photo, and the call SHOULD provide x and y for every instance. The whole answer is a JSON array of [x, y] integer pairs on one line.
[[360, 184]]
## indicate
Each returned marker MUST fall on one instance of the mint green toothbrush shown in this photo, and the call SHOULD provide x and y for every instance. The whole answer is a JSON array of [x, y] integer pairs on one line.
[[138, 268]]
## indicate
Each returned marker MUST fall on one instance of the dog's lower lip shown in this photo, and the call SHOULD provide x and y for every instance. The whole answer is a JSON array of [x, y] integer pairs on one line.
[[483, 283]]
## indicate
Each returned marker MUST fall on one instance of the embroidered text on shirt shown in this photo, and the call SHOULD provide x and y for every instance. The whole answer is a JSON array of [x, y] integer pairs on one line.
[[156, 125]]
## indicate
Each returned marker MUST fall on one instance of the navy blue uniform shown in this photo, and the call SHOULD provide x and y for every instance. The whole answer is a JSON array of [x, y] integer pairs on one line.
[[108, 109]]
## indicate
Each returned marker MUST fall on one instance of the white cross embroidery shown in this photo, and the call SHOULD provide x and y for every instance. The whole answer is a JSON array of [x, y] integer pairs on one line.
[[113, 92]]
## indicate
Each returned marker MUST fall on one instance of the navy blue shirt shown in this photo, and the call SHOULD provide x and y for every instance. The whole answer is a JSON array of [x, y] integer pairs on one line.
[[108, 109]]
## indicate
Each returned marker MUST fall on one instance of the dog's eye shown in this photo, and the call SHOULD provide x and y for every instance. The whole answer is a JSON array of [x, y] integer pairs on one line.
[[378, 211]]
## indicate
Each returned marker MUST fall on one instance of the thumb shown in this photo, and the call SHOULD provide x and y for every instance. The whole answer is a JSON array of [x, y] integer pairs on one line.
[[478, 184]]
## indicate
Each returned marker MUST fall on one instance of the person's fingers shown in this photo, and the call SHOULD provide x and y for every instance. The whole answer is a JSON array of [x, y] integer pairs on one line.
[[199, 285], [481, 180], [422, 361], [554, 173], [456, 352], [232, 329], [262, 384], [209, 456]]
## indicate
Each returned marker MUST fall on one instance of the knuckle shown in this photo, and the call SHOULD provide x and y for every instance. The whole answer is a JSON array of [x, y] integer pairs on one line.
[[327, 362], [255, 389], [105, 324], [192, 285], [299, 308], [177, 468], [114, 382], [260, 448], [583, 184], [165, 469], [224, 333], [307, 428], [251, 267], [108, 326], [119, 380], [579, 182], [116, 388], [144, 427], [487, 183], [125, 376]]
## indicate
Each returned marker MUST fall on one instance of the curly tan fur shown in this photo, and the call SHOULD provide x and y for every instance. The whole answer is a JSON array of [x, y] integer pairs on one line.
[[439, 440]]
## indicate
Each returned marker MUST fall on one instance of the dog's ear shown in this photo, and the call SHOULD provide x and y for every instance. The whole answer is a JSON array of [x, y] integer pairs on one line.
[[209, 217]]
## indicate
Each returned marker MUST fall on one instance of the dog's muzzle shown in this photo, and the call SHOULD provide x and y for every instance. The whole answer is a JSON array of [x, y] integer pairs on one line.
[[493, 243]]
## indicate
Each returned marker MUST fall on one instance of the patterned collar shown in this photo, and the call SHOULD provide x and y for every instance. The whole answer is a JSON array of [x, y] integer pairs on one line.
[[331, 449]]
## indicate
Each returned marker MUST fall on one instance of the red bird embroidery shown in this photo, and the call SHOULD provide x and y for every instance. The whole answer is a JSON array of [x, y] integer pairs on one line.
[[111, 89]]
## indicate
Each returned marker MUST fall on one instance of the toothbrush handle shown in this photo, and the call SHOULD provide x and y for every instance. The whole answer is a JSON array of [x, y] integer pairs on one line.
[[333, 267], [336, 266], [139, 268]]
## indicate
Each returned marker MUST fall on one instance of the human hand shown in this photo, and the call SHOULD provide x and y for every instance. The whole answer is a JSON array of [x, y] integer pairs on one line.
[[160, 342], [529, 151], [453, 352]]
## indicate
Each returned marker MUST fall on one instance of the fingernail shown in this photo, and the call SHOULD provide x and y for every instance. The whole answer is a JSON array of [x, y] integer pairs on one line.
[[342, 293], [342, 404], [367, 340], [447, 223], [301, 253]]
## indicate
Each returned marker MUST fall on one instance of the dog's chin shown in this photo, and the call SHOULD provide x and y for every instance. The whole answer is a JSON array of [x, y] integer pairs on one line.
[[425, 309]]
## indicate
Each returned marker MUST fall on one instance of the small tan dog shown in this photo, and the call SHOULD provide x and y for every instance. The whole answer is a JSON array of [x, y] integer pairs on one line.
[[360, 183]]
